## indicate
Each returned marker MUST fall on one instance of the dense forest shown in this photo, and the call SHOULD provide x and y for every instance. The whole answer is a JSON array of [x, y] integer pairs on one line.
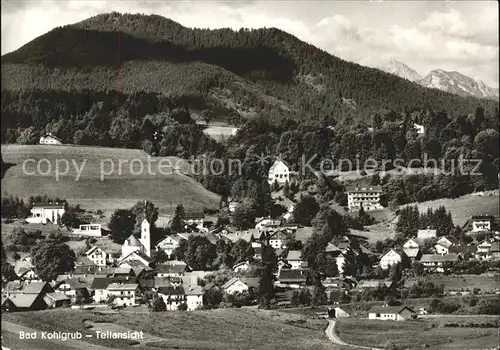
[[264, 72]]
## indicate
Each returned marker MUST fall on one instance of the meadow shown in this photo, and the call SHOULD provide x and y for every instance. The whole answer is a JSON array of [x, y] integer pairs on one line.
[[414, 334], [211, 329], [102, 178]]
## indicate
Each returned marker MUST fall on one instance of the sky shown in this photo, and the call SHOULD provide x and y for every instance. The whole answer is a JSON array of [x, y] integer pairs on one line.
[[453, 35]]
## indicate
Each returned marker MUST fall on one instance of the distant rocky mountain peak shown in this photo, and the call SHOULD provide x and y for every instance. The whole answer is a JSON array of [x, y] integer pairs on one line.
[[449, 81]]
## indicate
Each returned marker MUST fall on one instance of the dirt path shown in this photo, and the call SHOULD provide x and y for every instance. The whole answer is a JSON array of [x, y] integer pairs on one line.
[[10, 340], [330, 333]]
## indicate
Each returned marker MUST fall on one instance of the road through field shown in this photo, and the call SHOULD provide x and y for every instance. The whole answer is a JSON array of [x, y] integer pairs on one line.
[[10, 340], [330, 333]]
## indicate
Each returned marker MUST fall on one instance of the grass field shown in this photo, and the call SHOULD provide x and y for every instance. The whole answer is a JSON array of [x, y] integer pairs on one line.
[[487, 283], [464, 207], [414, 334], [119, 187], [213, 329]]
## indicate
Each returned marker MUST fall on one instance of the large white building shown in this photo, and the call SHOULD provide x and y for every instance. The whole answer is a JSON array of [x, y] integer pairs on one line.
[[278, 172], [93, 230], [392, 257], [49, 139], [367, 197], [481, 223], [46, 213]]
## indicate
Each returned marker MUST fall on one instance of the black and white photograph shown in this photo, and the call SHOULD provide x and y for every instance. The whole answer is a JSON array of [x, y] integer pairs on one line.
[[254, 175]]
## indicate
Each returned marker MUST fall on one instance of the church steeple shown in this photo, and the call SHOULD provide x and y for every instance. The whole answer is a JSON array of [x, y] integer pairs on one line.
[[146, 237]]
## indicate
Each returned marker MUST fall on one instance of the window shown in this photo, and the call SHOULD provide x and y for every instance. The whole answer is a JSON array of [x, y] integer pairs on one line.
[[377, 315]]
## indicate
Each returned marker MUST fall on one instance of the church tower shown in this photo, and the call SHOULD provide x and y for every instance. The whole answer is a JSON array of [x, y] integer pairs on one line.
[[146, 237]]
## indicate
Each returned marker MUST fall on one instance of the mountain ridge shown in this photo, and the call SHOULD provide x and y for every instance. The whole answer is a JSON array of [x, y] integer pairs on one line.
[[265, 72], [450, 81]]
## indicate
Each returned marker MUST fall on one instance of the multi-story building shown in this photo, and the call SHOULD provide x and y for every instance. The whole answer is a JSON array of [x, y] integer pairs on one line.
[[279, 172], [43, 213], [367, 197], [124, 294]]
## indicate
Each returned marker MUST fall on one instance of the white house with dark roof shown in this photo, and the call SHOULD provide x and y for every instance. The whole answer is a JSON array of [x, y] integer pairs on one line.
[[50, 139], [194, 297], [43, 213], [25, 270], [234, 285], [294, 259], [169, 243], [480, 223], [438, 262], [277, 240], [98, 256], [390, 313], [124, 293], [447, 245], [278, 172], [392, 257]]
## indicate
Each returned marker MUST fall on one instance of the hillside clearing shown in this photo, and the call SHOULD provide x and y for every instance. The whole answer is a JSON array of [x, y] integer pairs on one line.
[[213, 329], [103, 184]]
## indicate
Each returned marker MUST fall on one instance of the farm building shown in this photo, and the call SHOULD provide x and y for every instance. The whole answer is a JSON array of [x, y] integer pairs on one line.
[[234, 285], [339, 312], [43, 213], [390, 313]]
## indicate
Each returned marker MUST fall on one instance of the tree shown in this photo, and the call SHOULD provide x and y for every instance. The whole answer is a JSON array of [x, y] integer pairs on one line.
[[212, 298], [160, 256], [286, 190], [319, 296], [178, 220], [305, 210], [266, 279], [52, 258], [121, 224], [144, 210], [182, 307], [244, 215], [180, 251], [158, 305]]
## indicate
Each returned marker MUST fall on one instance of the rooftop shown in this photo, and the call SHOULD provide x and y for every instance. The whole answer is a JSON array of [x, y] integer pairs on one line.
[[388, 309], [439, 258]]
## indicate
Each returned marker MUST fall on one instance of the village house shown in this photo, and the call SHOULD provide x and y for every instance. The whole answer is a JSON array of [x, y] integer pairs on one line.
[[449, 244], [294, 259], [50, 139], [124, 293], [367, 197], [56, 299], [25, 270], [172, 268], [390, 313], [98, 256], [173, 296], [438, 262], [294, 278], [43, 213], [23, 302], [92, 230], [135, 259], [412, 248], [241, 267], [392, 257], [234, 285], [480, 223], [194, 297], [487, 250], [373, 284], [100, 284], [279, 172], [420, 129], [426, 234], [277, 240], [169, 243], [265, 224], [194, 218], [339, 312], [73, 288]]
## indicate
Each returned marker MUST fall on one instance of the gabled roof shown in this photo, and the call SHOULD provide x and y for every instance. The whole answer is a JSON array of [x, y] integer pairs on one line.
[[193, 290], [292, 275], [117, 271], [171, 290], [86, 270], [373, 283], [122, 286], [104, 282], [364, 188], [388, 309], [411, 252], [49, 134], [231, 282], [275, 165], [23, 300], [84, 261], [132, 241], [167, 268], [439, 258], [447, 241], [294, 255], [162, 282], [74, 283], [93, 249], [398, 251], [251, 282], [138, 254], [482, 217], [57, 296], [36, 287]]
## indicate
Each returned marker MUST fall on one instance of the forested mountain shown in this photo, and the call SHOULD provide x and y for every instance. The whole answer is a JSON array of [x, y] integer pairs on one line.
[[243, 73], [140, 81]]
